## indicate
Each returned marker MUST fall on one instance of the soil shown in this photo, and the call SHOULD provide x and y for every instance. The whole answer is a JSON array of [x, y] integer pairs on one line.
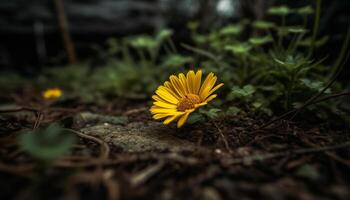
[[127, 155]]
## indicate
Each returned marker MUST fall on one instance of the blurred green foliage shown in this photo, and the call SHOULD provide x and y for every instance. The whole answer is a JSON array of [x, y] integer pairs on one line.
[[271, 68], [10, 82], [47, 144], [134, 67], [268, 67]]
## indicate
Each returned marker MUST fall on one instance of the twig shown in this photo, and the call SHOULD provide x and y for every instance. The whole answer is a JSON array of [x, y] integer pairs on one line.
[[135, 111], [276, 119], [145, 174], [333, 96], [262, 157], [104, 154], [227, 146], [169, 157], [19, 110], [215, 58], [311, 103], [330, 154], [200, 51], [38, 113], [38, 120], [23, 171], [338, 68]]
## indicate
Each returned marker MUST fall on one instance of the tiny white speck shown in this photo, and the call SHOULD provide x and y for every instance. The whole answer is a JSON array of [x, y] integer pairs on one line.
[[218, 151]]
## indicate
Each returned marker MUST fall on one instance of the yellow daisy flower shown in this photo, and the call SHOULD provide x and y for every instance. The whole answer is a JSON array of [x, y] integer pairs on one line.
[[53, 93], [182, 95]]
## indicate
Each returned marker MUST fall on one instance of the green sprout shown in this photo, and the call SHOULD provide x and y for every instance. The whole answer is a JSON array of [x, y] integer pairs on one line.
[[279, 10], [47, 144], [263, 25]]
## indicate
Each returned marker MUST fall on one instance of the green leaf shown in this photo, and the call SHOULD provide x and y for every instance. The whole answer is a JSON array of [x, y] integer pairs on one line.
[[308, 171], [211, 113], [143, 42], [263, 25], [164, 34], [308, 41], [11, 81], [266, 111], [231, 30], [314, 85], [113, 46], [279, 10], [47, 144], [176, 60], [200, 39], [306, 10], [195, 118], [292, 62], [296, 29], [242, 93], [233, 110], [193, 25], [239, 49], [282, 31], [257, 104]]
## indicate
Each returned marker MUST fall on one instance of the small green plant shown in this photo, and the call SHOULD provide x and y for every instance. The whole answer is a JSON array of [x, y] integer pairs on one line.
[[136, 65], [133, 68], [204, 115], [268, 67], [274, 68], [48, 144], [10, 82]]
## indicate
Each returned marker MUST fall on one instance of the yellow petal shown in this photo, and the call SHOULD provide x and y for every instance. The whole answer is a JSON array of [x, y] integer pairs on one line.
[[172, 92], [200, 104], [166, 96], [177, 85], [160, 116], [157, 98], [172, 118], [211, 97], [160, 110], [212, 90], [164, 105], [183, 118], [197, 82], [206, 87], [168, 85], [206, 82], [184, 83], [191, 81]]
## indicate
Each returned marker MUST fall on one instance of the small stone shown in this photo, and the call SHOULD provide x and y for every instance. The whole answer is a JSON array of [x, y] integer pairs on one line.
[[218, 151], [139, 137]]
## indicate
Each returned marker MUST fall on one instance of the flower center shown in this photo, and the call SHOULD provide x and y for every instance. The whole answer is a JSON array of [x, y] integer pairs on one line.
[[188, 102]]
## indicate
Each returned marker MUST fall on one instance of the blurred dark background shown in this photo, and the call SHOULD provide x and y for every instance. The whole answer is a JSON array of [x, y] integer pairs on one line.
[[30, 36]]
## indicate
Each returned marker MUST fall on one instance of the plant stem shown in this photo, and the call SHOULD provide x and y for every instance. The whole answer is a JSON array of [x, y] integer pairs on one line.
[[142, 57], [342, 53], [67, 40], [316, 26], [126, 53], [280, 36], [172, 45]]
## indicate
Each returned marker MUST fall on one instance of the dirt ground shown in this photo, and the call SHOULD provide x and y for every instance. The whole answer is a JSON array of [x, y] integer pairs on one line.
[[124, 154]]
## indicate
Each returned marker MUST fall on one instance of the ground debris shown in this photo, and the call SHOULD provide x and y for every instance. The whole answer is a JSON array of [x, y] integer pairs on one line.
[[144, 159], [140, 137]]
